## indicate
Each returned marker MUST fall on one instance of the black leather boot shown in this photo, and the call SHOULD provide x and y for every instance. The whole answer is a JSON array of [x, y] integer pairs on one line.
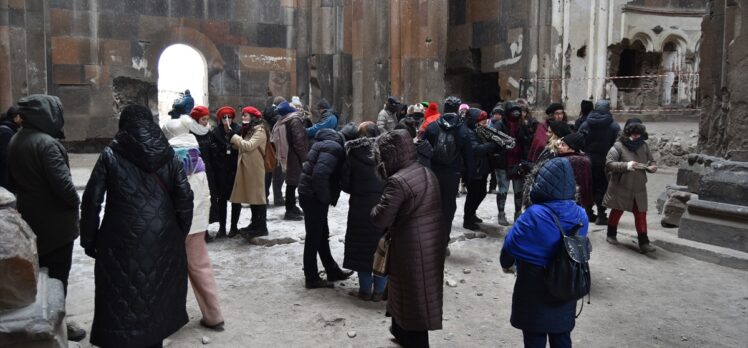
[[612, 233], [261, 228], [644, 246]]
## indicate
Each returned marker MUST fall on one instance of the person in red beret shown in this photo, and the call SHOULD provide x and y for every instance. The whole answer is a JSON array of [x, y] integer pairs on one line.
[[224, 160], [249, 185], [205, 139]]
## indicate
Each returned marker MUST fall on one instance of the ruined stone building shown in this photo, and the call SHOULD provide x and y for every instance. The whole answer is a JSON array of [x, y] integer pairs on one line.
[[98, 55]]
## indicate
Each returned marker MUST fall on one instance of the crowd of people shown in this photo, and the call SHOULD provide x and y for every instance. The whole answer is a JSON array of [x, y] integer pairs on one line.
[[160, 188]]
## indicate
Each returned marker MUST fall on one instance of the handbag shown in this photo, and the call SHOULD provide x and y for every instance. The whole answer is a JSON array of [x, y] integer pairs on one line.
[[381, 256], [269, 157], [568, 278]]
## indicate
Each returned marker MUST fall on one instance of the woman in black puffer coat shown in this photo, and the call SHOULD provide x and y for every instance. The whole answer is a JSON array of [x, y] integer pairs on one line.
[[319, 188], [360, 179], [141, 264]]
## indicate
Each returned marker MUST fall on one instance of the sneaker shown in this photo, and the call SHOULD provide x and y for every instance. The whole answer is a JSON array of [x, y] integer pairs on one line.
[[646, 248], [471, 225], [612, 240], [291, 216], [602, 220], [318, 283], [75, 332], [502, 220]]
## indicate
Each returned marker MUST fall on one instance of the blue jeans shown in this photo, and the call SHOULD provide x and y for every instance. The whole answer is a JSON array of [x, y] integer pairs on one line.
[[557, 340], [365, 280]]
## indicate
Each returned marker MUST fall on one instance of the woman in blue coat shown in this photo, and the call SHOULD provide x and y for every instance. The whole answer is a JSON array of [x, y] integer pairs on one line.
[[531, 245]]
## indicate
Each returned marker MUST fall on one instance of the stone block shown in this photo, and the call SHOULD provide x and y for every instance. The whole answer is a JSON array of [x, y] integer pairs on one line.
[[156, 8], [457, 13], [254, 83], [720, 224], [40, 324], [61, 21], [67, 74], [19, 262], [225, 82], [665, 195], [219, 9], [70, 50], [279, 83], [482, 11], [725, 182], [112, 25], [17, 4], [674, 209], [17, 18], [272, 35], [217, 31], [485, 33], [460, 37], [114, 51], [263, 58]]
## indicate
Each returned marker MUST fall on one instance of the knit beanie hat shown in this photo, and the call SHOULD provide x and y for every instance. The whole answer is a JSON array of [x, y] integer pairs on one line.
[[483, 116], [452, 104], [463, 107], [553, 108], [560, 128], [574, 140], [586, 107], [296, 103], [225, 111], [252, 111], [284, 108], [199, 112]]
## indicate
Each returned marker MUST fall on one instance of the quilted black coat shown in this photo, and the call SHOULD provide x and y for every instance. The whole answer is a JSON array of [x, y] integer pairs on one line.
[[320, 174], [410, 209], [141, 265], [360, 179]]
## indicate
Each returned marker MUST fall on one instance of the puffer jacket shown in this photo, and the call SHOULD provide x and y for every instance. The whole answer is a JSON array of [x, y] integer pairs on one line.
[[424, 152], [410, 209], [298, 147], [320, 175], [361, 181], [141, 264], [450, 122], [532, 243], [482, 151], [39, 172], [600, 133]]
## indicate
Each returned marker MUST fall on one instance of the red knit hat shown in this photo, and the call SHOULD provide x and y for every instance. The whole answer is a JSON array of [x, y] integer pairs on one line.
[[225, 111], [199, 112], [252, 111], [483, 116]]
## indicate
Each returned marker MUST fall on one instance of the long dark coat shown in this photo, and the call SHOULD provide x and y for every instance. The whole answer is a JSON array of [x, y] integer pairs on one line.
[[361, 181], [141, 264], [298, 147], [39, 172], [223, 160], [410, 209]]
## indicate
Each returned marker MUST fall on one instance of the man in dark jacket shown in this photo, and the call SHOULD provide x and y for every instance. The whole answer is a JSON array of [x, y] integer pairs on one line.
[[276, 177], [319, 188], [328, 119], [39, 172], [183, 106], [483, 149], [291, 124], [9, 123], [601, 132], [452, 150], [585, 109]]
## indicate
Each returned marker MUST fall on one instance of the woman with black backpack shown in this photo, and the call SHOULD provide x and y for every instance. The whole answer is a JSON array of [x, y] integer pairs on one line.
[[531, 246]]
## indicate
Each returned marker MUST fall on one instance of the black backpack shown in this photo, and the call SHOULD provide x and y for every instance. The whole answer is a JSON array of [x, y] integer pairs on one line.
[[568, 278], [445, 149]]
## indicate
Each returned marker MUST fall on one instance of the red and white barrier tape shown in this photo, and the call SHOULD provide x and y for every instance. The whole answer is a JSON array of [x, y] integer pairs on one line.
[[656, 110], [603, 78]]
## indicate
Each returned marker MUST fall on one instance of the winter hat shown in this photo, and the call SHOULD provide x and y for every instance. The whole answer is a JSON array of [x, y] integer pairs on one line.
[[432, 110], [252, 111], [574, 140], [634, 126], [296, 102], [392, 100], [497, 110], [176, 127], [483, 116], [425, 104], [199, 112], [553, 108], [463, 107], [586, 107], [284, 108], [8, 115], [452, 104], [603, 106], [323, 104], [277, 100], [560, 128], [225, 111], [415, 108], [368, 129]]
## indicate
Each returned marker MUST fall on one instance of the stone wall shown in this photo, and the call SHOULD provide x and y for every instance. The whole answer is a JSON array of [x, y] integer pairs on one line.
[[724, 80]]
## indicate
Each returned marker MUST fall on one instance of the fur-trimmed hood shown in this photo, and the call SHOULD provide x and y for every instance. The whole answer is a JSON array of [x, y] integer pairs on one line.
[[395, 150]]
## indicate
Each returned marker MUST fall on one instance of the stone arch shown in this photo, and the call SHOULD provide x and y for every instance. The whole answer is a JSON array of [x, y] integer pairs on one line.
[[678, 40], [645, 38], [186, 36]]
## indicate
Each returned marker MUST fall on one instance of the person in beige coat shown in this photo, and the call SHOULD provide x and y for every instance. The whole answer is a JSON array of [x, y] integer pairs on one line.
[[249, 185], [627, 163]]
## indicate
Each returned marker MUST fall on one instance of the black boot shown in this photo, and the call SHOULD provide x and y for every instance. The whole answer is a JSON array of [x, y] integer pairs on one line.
[[221, 218], [590, 214], [213, 214], [602, 219], [612, 233], [236, 210], [260, 228], [253, 221], [208, 237], [644, 246]]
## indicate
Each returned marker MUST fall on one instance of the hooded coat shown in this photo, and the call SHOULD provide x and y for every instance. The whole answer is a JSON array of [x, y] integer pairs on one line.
[[451, 122], [410, 209], [141, 263], [532, 243], [328, 120], [39, 173], [430, 115], [601, 132], [361, 181], [249, 184], [320, 175]]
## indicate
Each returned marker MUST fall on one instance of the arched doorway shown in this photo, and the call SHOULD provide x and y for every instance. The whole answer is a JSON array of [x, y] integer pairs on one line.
[[180, 68]]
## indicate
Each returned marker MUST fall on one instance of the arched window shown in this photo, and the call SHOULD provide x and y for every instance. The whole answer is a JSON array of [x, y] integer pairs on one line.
[[181, 68]]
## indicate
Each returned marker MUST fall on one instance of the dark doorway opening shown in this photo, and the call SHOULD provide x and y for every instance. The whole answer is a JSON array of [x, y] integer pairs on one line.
[[465, 79]]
